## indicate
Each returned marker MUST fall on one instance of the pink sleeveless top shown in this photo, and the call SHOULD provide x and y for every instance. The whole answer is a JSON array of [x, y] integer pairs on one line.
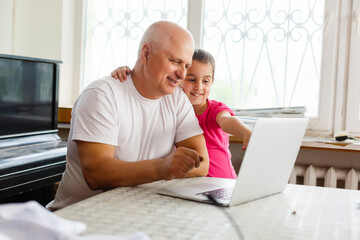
[[217, 141]]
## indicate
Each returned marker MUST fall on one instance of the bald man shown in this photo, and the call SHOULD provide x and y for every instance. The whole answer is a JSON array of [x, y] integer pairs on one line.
[[123, 134]]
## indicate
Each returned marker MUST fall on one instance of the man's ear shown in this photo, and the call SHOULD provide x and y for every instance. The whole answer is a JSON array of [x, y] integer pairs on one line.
[[145, 52]]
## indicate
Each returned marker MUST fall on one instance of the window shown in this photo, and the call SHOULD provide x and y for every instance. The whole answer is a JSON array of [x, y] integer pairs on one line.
[[353, 97], [269, 53], [115, 28]]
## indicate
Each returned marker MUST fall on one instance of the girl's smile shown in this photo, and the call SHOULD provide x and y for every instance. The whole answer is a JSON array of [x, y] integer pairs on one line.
[[197, 85]]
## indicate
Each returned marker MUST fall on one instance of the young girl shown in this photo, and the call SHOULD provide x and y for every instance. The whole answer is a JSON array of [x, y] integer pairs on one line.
[[215, 118]]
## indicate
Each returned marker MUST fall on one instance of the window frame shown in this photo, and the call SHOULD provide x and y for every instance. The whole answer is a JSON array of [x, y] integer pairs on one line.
[[323, 124], [338, 85], [352, 122]]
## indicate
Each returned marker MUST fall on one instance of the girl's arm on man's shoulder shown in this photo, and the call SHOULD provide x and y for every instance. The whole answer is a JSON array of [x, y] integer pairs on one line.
[[121, 73], [234, 126]]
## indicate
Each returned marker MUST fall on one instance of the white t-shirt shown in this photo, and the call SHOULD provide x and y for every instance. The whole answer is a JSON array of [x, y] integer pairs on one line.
[[115, 113]]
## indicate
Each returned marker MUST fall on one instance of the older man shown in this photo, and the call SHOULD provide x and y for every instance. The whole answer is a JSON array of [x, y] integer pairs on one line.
[[123, 134]]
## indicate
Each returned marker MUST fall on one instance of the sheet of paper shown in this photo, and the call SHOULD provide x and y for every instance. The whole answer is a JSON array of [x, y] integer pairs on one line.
[[30, 220]]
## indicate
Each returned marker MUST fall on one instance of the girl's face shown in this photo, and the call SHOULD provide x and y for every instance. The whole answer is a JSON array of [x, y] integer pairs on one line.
[[197, 83]]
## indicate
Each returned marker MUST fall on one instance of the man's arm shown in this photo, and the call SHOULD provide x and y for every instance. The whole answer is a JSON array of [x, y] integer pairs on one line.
[[102, 171], [197, 143]]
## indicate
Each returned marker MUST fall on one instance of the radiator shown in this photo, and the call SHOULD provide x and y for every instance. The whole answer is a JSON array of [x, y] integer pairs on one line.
[[326, 177]]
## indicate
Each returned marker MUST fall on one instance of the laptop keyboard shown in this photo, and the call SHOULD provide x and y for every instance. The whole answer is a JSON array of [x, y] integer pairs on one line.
[[221, 193]]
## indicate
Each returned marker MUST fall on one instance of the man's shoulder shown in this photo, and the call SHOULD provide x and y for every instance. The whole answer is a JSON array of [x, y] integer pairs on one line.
[[106, 86], [103, 83]]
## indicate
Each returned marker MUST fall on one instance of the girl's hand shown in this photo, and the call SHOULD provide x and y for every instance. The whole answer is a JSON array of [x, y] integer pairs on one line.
[[246, 139], [121, 73]]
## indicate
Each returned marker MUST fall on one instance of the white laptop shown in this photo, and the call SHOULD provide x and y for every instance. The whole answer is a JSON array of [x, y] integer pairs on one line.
[[265, 169]]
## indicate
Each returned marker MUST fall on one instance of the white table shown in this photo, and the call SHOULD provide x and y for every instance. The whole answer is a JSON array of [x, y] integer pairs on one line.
[[300, 212]]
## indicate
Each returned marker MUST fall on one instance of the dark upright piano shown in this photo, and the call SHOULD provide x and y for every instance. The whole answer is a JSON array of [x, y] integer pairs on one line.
[[32, 155]]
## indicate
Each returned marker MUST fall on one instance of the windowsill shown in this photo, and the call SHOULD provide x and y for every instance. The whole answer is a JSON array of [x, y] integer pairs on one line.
[[64, 125], [308, 142], [64, 114], [329, 143], [320, 143]]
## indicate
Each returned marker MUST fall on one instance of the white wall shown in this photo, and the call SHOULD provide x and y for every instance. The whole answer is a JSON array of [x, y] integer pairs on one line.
[[37, 28], [50, 29], [31, 28], [6, 25], [71, 51]]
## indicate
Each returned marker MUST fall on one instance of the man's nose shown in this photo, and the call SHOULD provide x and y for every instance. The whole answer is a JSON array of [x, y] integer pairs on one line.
[[181, 73]]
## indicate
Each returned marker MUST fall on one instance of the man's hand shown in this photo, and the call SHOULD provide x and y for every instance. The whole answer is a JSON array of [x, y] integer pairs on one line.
[[121, 73], [178, 163]]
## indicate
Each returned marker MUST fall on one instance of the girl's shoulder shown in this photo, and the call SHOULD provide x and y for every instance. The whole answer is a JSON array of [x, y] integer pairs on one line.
[[214, 103], [217, 106]]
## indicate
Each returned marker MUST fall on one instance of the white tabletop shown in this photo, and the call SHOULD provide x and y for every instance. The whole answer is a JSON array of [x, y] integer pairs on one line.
[[300, 212]]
